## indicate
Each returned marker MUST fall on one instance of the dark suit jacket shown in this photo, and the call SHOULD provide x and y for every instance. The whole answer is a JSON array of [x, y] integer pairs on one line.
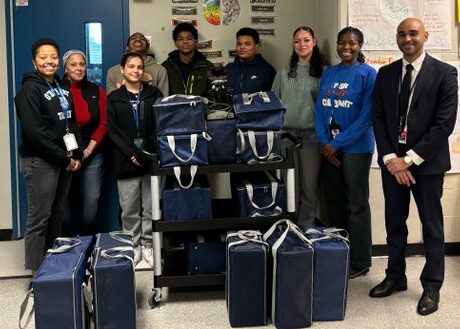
[[431, 118]]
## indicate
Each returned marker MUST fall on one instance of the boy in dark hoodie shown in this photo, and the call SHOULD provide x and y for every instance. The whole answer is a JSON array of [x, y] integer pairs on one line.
[[188, 69], [249, 72]]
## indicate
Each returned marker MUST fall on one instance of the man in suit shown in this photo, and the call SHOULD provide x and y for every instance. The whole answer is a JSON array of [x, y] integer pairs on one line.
[[413, 116]]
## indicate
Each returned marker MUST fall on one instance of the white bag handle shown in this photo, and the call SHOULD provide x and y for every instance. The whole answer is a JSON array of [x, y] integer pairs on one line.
[[327, 234], [117, 235], [172, 146], [193, 170], [22, 311], [73, 242], [116, 252], [250, 193], [189, 97], [252, 142], [247, 98]]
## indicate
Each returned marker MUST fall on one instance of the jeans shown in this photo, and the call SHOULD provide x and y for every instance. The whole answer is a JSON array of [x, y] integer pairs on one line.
[[136, 208], [84, 196], [346, 191], [307, 165], [47, 187]]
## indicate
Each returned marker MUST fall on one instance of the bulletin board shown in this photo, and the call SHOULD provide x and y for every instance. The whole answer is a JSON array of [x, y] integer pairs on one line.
[[378, 19]]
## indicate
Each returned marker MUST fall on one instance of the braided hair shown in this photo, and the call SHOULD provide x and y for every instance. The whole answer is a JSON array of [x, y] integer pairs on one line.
[[359, 35], [316, 61]]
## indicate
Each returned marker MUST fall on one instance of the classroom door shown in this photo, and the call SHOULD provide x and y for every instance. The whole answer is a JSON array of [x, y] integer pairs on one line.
[[98, 28]]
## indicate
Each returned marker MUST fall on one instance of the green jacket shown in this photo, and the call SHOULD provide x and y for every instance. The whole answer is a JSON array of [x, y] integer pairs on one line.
[[197, 82]]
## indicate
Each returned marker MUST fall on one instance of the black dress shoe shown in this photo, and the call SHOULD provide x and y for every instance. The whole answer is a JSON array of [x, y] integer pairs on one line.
[[428, 303], [387, 287]]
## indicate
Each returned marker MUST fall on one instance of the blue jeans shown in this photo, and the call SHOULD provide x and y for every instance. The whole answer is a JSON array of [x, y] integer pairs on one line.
[[84, 196], [47, 187]]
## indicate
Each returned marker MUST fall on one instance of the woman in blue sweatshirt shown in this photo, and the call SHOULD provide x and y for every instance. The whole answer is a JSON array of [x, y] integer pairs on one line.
[[344, 130]]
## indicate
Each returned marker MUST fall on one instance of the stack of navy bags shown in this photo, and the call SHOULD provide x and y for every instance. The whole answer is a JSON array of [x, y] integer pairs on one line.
[[291, 273], [260, 117], [246, 280], [113, 281], [181, 131], [331, 261], [57, 286]]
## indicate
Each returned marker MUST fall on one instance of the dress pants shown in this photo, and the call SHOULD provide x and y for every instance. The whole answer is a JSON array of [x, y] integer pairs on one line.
[[346, 192], [427, 193]]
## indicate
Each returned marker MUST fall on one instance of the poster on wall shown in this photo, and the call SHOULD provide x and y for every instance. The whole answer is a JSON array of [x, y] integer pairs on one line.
[[378, 20], [221, 12], [178, 20], [184, 1], [263, 20], [267, 32], [184, 11], [264, 9]]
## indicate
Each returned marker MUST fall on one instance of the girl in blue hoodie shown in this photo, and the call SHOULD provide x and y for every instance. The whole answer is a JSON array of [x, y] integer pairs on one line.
[[344, 130]]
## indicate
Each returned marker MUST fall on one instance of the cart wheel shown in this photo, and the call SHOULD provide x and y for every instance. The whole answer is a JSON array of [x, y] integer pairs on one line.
[[155, 298]]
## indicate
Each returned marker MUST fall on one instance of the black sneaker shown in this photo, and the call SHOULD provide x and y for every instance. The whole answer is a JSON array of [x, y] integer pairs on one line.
[[357, 271]]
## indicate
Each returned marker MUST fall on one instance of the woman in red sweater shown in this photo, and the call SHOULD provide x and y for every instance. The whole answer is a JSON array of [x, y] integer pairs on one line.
[[91, 115]]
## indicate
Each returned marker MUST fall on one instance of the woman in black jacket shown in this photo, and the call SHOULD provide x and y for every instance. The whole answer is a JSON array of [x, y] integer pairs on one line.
[[51, 149], [131, 129]]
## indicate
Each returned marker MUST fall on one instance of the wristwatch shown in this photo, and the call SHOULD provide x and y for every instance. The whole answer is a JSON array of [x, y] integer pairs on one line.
[[408, 160]]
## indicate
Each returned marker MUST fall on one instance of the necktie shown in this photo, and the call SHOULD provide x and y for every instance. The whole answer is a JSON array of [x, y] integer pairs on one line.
[[404, 94]]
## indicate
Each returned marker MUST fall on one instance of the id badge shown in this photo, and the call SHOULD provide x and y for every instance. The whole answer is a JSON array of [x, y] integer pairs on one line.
[[138, 142], [402, 138], [70, 142]]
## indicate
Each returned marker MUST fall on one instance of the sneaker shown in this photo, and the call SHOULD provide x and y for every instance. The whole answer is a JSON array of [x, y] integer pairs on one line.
[[357, 271], [137, 255], [147, 255]]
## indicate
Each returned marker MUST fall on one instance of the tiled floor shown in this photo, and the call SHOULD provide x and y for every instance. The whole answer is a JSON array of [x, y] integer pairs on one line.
[[205, 308]]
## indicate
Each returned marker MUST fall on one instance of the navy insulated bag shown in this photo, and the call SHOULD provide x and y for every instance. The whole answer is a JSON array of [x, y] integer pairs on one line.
[[260, 110], [113, 281], [258, 194], [183, 150], [57, 286], [258, 146], [291, 269], [192, 203], [246, 280], [179, 114], [222, 147], [205, 254], [330, 276]]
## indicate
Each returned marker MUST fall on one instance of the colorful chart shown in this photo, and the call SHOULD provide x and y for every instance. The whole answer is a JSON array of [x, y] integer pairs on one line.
[[221, 12], [211, 9]]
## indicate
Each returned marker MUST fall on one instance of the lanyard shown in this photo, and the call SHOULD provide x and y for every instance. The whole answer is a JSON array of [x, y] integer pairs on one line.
[[62, 100], [135, 106]]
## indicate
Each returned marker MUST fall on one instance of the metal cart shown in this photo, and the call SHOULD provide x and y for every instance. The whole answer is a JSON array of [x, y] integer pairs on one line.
[[161, 279]]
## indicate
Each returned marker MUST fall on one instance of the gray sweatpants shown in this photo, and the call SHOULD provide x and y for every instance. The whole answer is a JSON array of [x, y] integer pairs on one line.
[[136, 208]]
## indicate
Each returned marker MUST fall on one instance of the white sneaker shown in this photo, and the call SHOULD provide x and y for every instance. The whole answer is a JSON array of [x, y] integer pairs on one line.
[[137, 254], [147, 255]]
